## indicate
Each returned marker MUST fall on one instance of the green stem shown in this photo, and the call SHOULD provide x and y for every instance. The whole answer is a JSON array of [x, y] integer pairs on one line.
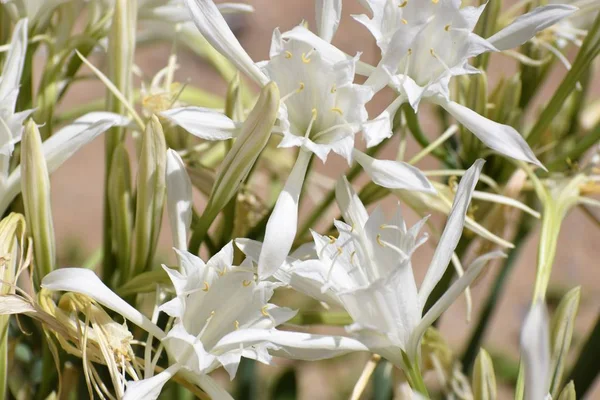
[[587, 367], [321, 318], [582, 145]]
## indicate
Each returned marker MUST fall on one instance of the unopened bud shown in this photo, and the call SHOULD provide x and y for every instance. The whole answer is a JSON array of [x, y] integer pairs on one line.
[[484, 378]]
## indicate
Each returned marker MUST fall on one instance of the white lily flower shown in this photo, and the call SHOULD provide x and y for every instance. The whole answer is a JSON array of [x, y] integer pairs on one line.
[[425, 44], [221, 313], [368, 271], [321, 110], [11, 123], [535, 353]]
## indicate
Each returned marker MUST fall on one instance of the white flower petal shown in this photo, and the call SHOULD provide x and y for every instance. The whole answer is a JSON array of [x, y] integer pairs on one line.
[[231, 8], [201, 122], [149, 389], [449, 297], [62, 145], [209, 385], [452, 231], [502, 138], [13, 64], [282, 224], [295, 345], [527, 25], [352, 208], [84, 281], [214, 28], [179, 199], [535, 352], [328, 15], [393, 174], [378, 129]]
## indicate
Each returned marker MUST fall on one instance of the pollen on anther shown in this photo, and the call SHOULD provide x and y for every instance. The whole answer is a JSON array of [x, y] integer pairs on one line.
[[264, 312], [246, 283], [236, 324], [447, 28], [333, 89], [301, 86], [314, 112], [404, 3], [379, 240], [331, 239], [340, 250], [409, 52], [206, 286], [352, 256], [432, 52], [288, 54], [305, 60], [404, 21], [435, 1], [337, 110]]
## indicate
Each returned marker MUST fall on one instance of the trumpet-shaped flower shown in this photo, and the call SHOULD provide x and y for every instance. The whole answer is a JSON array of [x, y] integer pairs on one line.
[[321, 110], [425, 44], [221, 313], [367, 270]]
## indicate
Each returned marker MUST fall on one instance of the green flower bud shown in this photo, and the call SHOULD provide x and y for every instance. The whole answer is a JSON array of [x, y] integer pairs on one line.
[[484, 378], [568, 393], [35, 186]]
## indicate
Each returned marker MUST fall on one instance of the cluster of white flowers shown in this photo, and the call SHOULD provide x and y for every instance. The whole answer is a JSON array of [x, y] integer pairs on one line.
[[220, 312]]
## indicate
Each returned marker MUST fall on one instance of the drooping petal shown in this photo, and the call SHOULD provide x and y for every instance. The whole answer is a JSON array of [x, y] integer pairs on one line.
[[282, 224], [62, 145], [149, 389], [295, 345], [201, 122], [13, 64], [452, 231], [379, 128], [214, 28], [328, 15], [502, 138], [449, 297], [535, 352], [179, 199], [352, 208], [393, 174], [527, 25], [86, 282]]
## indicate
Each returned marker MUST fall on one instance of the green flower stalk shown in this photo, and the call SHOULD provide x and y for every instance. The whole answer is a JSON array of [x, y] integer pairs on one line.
[[236, 166], [151, 188], [12, 260], [35, 186]]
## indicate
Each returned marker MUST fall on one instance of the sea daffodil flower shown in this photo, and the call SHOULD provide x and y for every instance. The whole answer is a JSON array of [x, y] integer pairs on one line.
[[367, 270], [221, 313], [535, 353], [425, 44], [321, 110]]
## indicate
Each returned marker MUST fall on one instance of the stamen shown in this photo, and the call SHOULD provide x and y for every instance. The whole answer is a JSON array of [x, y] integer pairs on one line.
[[246, 283], [333, 89], [301, 86], [340, 250], [404, 3], [206, 286], [236, 324], [312, 121], [331, 239], [432, 52], [220, 273], [288, 54], [447, 28], [352, 257], [435, 1], [264, 312], [305, 58], [397, 249], [379, 241], [404, 21], [337, 110], [212, 314]]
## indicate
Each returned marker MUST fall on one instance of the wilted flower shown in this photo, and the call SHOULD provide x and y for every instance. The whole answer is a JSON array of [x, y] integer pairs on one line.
[[221, 313]]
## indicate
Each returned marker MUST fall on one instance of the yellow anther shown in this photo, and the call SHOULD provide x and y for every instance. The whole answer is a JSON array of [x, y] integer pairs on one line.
[[288, 54], [246, 283], [331, 239], [351, 228], [447, 28], [221, 273], [305, 59], [264, 312], [352, 256], [333, 89], [432, 52], [340, 250], [409, 52], [236, 324], [206, 286], [404, 21], [404, 3], [337, 110], [314, 112], [212, 313], [301, 86], [379, 240], [435, 1]]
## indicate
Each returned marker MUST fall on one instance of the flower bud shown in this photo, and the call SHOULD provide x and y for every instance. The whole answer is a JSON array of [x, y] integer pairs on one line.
[[484, 378], [35, 186], [561, 334], [568, 393], [120, 203], [150, 196]]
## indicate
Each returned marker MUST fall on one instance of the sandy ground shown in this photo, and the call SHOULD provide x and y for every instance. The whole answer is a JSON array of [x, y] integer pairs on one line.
[[77, 200]]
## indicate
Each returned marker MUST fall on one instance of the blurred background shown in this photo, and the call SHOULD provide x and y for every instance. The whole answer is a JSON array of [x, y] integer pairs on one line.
[[77, 203]]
